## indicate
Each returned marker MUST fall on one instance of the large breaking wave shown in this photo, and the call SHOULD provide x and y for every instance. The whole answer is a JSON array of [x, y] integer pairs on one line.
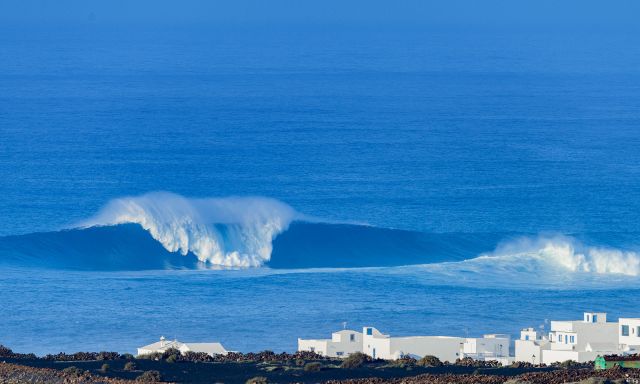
[[168, 231], [228, 232]]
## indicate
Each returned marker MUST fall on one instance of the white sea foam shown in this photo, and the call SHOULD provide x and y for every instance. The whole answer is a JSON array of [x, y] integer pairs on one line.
[[228, 232], [566, 253]]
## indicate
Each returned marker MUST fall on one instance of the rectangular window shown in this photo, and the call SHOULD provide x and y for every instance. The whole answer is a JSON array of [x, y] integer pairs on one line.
[[560, 338], [572, 339], [526, 337], [369, 331], [595, 318], [638, 332], [339, 353], [588, 318], [313, 349], [352, 337], [624, 331]]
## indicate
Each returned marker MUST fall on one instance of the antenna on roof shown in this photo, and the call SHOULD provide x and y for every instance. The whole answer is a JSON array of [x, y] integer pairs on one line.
[[344, 325]]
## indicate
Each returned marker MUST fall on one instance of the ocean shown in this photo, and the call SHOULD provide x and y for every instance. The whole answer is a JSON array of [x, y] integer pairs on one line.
[[256, 184]]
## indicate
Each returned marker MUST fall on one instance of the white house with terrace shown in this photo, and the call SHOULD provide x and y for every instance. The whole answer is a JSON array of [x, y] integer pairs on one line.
[[577, 340], [163, 345]]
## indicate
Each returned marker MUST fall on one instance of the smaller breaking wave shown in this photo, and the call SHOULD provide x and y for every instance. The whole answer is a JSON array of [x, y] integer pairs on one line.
[[227, 232], [565, 252], [542, 262]]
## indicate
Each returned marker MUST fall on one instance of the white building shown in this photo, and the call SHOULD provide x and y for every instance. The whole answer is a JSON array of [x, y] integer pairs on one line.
[[342, 344], [381, 346], [629, 334], [492, 347], [577, 340], [163, 345], [530, 346]]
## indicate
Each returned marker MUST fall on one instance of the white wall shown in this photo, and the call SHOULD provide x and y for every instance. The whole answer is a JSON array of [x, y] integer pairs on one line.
[[376, 344], [344, 343], [527, 349], [443, 347], [633, 339], [383, 346], [317, 346], [550, 356]]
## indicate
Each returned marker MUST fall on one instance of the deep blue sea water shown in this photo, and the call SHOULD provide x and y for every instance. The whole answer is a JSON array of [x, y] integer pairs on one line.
[[255, 185]]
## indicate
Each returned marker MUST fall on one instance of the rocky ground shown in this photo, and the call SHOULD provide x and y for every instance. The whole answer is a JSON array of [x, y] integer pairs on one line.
[[18, 374], [581, 376], [268, 367]]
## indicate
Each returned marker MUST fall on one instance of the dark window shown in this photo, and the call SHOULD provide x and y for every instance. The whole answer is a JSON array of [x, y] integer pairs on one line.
[[369, 331], [625, 330], [352, 337]]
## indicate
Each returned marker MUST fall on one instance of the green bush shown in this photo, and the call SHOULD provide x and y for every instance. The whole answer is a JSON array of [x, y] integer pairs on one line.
[[105, 368], [429, 361], [127, 356], [569, 364], [300, 362], [150, 377], [151, 356], [257, 380], [130, 366], [354, 360], [312, 367], [404, 363], [73, 371], [172, 359]]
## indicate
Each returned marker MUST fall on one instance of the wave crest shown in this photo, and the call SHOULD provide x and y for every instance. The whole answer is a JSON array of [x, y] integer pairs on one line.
[[228, 232], [567, 253]]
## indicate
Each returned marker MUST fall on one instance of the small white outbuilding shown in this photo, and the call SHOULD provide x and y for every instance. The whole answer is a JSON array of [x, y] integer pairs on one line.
[[163, 345], [490, 347]]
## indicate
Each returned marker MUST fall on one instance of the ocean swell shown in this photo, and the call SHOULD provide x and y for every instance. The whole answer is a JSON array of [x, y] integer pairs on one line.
[[168, 231]]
